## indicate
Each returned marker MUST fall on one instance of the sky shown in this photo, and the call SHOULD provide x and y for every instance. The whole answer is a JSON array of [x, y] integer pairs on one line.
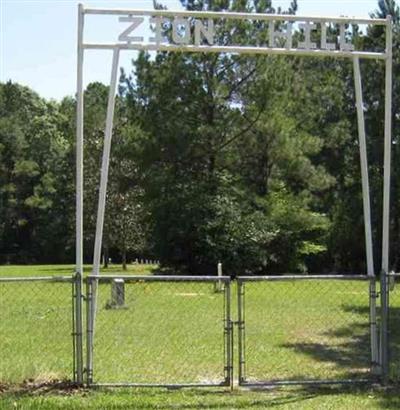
[[38, 38]]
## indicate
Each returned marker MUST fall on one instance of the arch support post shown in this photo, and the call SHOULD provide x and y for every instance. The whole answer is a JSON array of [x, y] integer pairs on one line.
[[367, 214], [77, 301], [384, 338], [105, 164], [104, 178]]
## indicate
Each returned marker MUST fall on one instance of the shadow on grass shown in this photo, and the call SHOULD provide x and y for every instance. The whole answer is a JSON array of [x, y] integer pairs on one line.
[[349, 351], [351, 356], [338, 396]]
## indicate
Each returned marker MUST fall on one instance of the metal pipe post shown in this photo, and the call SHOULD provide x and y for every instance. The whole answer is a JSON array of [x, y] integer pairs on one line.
[[73, 319], [89, 331], [364, 167], [367, 209], [78, 328], [79, 144], [240, 297], [105, 163], [384, 342], [79, 203], [386, 198], [229, 336], [388, 146]]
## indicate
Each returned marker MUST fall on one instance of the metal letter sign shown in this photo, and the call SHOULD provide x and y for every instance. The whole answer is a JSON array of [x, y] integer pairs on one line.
[[181, 28], [181, 33], [135, 23], [194, 31]]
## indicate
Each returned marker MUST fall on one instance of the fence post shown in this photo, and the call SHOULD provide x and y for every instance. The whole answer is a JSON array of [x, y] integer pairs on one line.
[[78, 328], [376, 364], [384, 342], [241, 341], [89, 331], [229, 336]]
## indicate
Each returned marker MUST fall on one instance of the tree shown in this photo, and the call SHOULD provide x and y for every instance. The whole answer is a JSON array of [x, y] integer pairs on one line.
[[125, 220], [34, 178], [197, 162]]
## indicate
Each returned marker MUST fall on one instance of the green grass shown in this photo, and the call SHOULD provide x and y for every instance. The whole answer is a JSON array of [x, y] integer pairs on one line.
[[309, 329], [36, 323], [173, 332], [321, 398], [169, 332]]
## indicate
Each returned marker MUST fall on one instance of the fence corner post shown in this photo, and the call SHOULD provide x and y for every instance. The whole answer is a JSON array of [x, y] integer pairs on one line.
[[78, 334], [384, 341]]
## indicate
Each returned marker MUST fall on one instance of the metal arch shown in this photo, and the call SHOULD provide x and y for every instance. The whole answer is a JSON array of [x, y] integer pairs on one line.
[[116, 47]]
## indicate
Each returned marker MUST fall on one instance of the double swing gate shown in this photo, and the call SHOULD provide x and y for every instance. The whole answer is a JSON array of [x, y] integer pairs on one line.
[[181, 331], [178, 331]]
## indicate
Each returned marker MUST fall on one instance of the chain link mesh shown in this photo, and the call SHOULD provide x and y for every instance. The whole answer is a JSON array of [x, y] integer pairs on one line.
[[35, 331], [165, 332], [299, 330], [394, 328], [179, 332]]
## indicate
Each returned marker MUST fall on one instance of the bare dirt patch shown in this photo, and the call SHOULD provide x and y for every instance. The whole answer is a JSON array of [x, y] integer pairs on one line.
[[40, 387]]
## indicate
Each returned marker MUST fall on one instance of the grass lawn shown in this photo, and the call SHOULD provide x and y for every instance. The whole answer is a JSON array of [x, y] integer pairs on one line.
[[174, 333], [321, 398]]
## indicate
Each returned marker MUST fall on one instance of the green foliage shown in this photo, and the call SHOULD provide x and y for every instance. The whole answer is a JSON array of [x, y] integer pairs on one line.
[[33, 176]]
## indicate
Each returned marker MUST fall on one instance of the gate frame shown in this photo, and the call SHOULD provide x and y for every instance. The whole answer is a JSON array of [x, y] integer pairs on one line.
[[92, 285], [241, 281], [342, 53]]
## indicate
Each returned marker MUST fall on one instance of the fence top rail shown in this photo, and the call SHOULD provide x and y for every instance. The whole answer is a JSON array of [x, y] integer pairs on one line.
[[37, 279], [237, 16], [394, 274], [158, 278], [277, 278]]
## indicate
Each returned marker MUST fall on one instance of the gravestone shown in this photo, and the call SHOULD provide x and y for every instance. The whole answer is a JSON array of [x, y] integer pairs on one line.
[[117, 294]]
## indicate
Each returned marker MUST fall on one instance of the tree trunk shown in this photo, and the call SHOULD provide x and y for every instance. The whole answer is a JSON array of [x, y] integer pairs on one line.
[[124, 258], [105, 256]]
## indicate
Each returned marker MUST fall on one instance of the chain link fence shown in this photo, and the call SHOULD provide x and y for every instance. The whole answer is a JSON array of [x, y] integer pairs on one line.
[[36, 327], [298, 329], [158, 331], [394, 328], [178, 330]]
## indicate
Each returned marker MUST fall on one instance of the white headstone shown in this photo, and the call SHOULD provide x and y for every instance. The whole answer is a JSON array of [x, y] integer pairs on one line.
[[117, 293]]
